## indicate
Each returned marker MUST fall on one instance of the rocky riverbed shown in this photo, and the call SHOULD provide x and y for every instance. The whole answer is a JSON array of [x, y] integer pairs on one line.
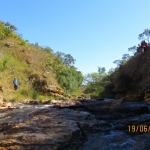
[[103, 124]]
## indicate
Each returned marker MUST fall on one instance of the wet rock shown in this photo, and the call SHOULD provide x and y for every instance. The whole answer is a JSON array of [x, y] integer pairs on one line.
[[64, 104], [5, 106], [107, 109], [142, 142], [109, 141], [117, 107], [33, 102], [46, 102]]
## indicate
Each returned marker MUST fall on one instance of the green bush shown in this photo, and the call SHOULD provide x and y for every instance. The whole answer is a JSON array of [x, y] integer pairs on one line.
[[32, 94], [22, 42], [14, 35], [29, 93], [70, 79], [40, 97], [24, 92]]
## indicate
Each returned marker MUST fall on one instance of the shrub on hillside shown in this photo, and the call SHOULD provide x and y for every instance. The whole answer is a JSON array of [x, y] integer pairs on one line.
[[70, 79], [22, 42]]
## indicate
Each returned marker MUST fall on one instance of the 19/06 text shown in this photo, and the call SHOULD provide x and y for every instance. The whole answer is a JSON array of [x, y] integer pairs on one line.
[[138, 128]]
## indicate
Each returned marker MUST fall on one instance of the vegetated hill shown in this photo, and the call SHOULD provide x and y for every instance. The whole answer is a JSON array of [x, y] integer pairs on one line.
[[132, 80], [42, 74], [129, 81]]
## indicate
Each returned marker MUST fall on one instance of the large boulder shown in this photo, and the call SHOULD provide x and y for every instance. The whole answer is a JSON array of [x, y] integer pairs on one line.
[[43, 87], [9, 44]]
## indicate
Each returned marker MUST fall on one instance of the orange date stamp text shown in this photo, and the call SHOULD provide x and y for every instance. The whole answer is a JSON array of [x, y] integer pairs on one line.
[[139, 128]]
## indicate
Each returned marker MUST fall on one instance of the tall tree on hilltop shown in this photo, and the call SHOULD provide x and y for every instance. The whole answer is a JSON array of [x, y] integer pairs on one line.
[[11, 26], [67, 59], [48, 49], [126, 57], [144, 35], [118, 62]]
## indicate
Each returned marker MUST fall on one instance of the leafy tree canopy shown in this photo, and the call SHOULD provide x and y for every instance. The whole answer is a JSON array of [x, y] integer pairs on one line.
[[11, 26], [67, 59], [144, 35], [132, 49], [101, 70], [70, 79]]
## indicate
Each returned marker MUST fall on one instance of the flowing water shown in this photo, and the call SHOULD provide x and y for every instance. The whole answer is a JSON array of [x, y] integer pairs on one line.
[[115, 140]]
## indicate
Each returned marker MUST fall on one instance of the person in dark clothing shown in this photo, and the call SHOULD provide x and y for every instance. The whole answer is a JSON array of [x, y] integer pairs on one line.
[[139, 49], [15, 82]]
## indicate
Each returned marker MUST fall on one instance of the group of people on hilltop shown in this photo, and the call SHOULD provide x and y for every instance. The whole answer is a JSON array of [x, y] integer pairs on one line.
[[142, 48]]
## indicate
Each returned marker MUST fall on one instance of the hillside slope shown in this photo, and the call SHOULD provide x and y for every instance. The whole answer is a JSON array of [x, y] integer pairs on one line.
[[132, 81], [38, 69]]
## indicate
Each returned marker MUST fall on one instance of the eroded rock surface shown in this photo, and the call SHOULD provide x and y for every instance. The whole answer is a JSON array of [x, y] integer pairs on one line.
[[77, 125], [51, 127]]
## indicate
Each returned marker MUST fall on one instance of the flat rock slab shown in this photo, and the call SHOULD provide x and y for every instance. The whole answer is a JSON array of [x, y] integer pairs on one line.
[[48, 128], [106, 106], [67, 125]]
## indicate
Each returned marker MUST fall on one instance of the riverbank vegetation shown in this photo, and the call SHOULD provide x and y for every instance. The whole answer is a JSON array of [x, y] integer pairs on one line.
[[29, 62], [129, 80], [39, 67]]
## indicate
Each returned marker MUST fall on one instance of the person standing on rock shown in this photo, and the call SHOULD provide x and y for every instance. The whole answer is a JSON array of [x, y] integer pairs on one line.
[[144, 45], [15, 82]]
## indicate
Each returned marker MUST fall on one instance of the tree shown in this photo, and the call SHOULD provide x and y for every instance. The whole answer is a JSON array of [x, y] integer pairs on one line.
[[101, 70], [67, 59], [118, 62], [59, 55], [11, 26], [92, 84], [111, 70], [144, 35], [69, 79], [48, 50], [132, 49], [20, 35], [7, 24], [36, 45], [26, 41], [126, 57], [92, 78]]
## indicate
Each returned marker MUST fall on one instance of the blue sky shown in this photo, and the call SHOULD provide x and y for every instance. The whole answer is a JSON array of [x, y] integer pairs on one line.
[[94, 32]]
